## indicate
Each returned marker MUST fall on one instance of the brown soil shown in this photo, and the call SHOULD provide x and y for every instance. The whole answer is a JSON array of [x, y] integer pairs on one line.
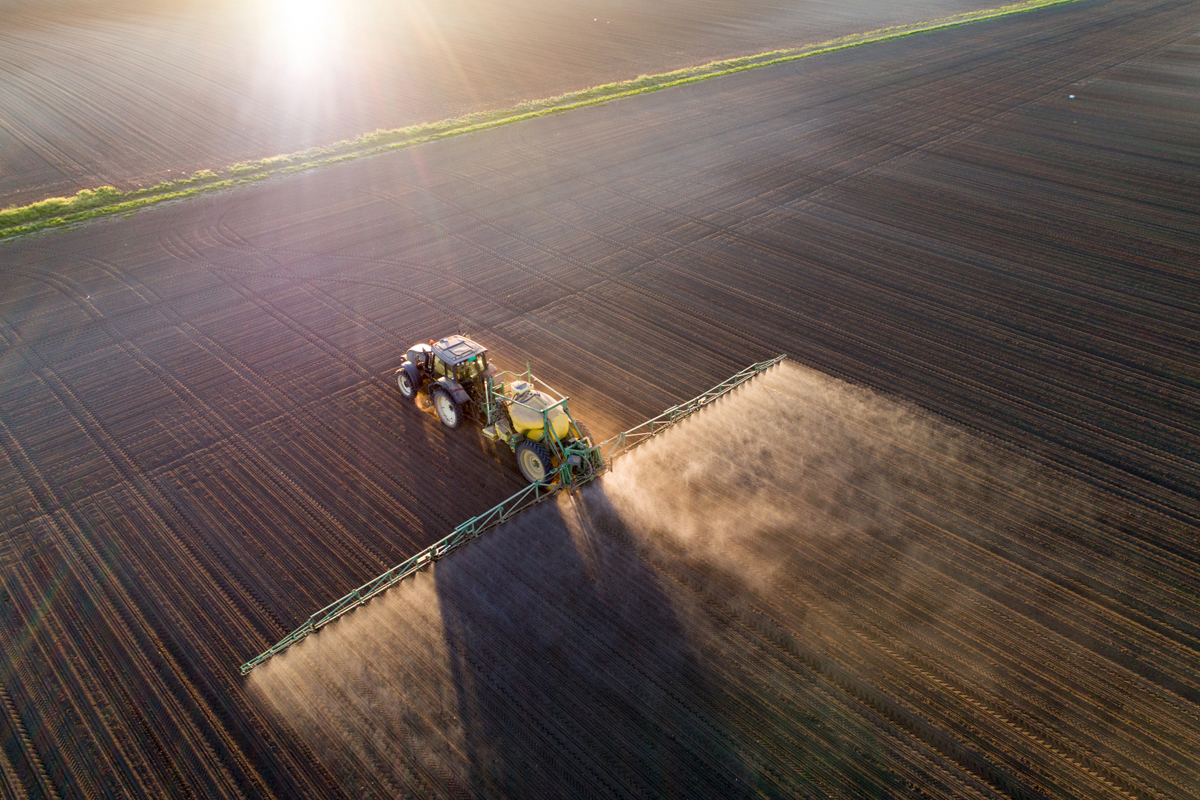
[[200, 444], [137, 94]]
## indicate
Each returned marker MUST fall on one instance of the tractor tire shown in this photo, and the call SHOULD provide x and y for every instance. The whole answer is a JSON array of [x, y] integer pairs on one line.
[[408, 387], [585, 433], [534, 462], [448, 411]]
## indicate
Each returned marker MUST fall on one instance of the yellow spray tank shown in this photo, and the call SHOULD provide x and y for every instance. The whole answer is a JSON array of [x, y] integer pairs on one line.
[[527, 413]]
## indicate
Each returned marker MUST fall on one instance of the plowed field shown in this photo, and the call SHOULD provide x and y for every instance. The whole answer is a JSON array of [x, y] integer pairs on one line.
[[976, 573]]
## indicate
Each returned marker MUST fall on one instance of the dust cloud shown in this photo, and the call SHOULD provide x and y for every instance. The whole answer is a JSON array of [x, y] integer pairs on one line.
[[372, 694], [792, 461], [606, 635]]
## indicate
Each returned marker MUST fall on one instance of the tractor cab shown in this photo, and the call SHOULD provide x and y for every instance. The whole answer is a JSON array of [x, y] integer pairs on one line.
[[456, 371], [460, 359]]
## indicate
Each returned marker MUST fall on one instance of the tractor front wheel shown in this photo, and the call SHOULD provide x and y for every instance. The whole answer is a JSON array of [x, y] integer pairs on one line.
[[447, 410], [534, 461], [407, 387]]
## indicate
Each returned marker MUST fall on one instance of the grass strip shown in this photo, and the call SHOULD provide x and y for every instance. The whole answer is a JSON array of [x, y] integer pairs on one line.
[[106, 201]]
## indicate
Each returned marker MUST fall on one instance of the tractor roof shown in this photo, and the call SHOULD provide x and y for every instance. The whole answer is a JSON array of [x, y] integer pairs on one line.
[[457, 349]]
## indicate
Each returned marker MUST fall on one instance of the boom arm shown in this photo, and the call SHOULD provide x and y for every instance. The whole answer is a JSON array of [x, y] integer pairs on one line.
[[599, 460]]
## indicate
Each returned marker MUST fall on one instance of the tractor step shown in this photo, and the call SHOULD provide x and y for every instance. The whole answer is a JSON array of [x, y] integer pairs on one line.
[[500, 432]]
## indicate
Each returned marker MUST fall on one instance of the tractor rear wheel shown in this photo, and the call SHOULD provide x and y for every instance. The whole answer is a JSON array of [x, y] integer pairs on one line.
[[586, 434], [407, 387], [447, 410], [534, 461]]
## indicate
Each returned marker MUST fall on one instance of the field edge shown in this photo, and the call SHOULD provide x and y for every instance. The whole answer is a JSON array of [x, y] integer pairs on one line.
[[107, 201]]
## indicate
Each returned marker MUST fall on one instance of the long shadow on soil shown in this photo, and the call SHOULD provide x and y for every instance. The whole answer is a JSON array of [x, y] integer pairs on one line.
[[574, 675]]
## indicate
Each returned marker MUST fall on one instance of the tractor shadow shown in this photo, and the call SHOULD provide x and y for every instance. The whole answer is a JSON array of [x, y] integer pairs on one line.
[[573, 673]]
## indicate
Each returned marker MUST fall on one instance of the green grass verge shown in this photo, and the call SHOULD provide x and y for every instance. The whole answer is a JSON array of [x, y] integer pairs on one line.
[[108, 201]]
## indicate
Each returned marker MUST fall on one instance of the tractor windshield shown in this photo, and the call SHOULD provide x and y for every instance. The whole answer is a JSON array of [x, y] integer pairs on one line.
[[472, 368]]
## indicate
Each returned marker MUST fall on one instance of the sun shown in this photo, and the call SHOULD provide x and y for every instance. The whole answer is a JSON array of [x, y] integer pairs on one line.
[[305, 33]]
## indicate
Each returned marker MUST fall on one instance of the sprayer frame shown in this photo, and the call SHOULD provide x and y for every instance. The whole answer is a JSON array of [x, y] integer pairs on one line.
[[531, 495]]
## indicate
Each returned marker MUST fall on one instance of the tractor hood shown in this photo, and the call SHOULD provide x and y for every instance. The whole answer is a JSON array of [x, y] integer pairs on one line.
[[416, 353]]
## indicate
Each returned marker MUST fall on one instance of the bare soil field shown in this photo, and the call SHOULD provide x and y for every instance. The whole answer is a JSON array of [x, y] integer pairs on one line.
[[136, 93], [200, 444]]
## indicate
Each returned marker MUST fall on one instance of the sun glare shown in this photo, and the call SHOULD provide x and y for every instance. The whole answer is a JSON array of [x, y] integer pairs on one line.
[[306, 33]]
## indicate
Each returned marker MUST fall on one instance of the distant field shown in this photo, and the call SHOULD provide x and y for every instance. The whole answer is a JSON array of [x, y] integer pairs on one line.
[[200, 442], [104, 201], [137, 95]]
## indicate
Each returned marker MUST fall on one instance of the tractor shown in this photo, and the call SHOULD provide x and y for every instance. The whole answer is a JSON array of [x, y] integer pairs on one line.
[[549, 444]]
